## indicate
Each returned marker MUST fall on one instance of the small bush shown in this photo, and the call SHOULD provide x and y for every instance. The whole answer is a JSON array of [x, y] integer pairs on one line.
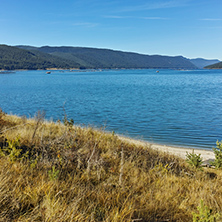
[[205, 214], [194, 159], [12, 149], [218, 155], [53, 174]]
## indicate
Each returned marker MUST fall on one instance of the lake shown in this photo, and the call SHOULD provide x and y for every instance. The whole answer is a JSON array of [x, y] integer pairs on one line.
[[179, 108]]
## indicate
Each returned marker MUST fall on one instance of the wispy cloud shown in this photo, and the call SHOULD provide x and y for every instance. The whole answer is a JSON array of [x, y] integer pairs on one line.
[[156, 5], [211, 19], [155, 18], [85, 24], [134, 17], [117, 17]]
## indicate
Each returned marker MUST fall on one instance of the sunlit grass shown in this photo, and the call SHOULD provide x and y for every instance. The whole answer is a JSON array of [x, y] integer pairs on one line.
[[82, 174]]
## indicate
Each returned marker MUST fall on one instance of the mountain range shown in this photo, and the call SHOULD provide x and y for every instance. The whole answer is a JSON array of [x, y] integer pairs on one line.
[[64, 57]]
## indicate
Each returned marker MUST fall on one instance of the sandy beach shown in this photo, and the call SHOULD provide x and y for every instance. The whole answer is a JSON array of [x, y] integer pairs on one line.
[[181, 152], [178, 151]]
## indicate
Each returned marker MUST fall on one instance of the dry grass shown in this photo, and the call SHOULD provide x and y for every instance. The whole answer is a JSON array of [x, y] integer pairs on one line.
[[65, 173]]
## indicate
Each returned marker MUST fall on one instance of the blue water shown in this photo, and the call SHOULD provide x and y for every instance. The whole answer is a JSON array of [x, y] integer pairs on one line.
[[170, 107]]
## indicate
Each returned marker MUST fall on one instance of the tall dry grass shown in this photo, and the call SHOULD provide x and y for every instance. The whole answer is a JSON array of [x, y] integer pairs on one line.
[[69, 173]]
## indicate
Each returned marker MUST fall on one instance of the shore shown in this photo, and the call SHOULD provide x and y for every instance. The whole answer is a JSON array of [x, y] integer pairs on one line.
[[207, 155], [51, 170]]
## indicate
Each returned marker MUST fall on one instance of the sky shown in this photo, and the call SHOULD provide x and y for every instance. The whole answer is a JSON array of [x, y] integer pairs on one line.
[[191, 28]]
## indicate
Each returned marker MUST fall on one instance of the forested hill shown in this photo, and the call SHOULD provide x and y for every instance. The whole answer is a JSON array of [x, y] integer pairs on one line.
[[29, 57], [214, 66], [106, 58], [15, 58]]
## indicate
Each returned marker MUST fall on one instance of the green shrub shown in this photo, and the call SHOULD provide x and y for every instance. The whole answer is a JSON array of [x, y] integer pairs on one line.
[[194, 159], [205, 214], [218, 155], [53, 174], [13, 150]]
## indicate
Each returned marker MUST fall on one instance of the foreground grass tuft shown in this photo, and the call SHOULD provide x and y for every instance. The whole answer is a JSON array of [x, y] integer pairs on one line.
[[55, 172]]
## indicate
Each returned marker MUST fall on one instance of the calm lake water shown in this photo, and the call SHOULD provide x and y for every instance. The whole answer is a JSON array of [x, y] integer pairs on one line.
[[170, 107]]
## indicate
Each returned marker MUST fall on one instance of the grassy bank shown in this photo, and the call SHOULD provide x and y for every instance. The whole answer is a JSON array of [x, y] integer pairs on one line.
[[55, 172]]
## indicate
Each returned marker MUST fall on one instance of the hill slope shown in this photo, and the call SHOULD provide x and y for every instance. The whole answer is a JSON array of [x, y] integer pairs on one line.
[[105, 58], [54, 172], [214, 66], [16, 58], [201, 63]]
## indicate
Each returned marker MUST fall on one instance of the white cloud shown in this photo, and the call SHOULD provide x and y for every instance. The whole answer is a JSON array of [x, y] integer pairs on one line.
[[156, 5], [155, 18], [134, 17], [85, 24], [117, 17], [211, 19]]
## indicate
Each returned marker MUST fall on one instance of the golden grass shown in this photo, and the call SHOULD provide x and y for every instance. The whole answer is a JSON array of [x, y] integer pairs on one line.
[[83, 174]]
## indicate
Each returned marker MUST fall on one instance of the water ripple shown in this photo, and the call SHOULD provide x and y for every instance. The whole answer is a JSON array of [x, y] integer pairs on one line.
[[171, 107]]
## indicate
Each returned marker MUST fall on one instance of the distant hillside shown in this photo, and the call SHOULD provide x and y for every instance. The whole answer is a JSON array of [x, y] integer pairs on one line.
[[201, 63], [105, 58], [16, 58], [215, 66]]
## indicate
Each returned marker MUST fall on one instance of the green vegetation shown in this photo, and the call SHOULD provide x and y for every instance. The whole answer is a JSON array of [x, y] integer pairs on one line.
[[12, 58], [205, 214], [105, 58], [218, 155], [55, 172], [201, 63], [194, 159], [214, 66], [28, 57]]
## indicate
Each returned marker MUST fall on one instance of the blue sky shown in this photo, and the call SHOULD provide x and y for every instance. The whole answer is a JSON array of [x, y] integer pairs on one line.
[[191, 28]]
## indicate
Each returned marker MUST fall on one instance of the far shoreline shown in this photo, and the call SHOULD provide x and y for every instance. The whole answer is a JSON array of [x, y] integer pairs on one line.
[[80, 69]]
